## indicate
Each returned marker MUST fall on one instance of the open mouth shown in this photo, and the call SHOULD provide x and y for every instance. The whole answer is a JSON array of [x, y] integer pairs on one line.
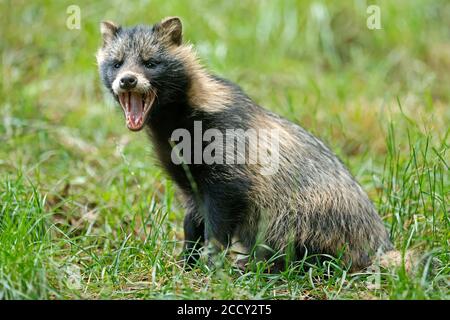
[[136, 107]]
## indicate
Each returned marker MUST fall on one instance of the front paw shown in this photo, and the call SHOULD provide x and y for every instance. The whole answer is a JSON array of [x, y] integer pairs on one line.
[[190, 259]]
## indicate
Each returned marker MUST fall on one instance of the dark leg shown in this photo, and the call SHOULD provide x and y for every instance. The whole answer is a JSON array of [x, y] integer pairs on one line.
[[194, 231], [222, 215]]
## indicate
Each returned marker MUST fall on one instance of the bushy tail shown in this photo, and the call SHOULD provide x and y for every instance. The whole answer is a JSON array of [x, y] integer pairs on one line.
[[396, 259]]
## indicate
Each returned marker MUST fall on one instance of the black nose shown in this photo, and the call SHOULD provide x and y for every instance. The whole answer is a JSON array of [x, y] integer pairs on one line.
[[128, 82]]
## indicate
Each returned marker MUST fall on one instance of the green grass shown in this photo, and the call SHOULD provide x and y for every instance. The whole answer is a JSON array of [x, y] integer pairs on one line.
[[85, 213]]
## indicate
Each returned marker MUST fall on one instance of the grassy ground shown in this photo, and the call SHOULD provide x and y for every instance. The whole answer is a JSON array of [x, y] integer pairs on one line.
[[85, 213]]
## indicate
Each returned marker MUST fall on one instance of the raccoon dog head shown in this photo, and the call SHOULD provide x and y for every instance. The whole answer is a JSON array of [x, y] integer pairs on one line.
[[138, 66]]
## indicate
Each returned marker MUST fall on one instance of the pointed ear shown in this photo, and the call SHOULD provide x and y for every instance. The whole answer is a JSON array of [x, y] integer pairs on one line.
[[108, 30], [169, 29]]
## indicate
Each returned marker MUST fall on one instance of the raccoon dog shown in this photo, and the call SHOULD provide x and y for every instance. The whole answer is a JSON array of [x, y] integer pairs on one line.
[[311, 204]]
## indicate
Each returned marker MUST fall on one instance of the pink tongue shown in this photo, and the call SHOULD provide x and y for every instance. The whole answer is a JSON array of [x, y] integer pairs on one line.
[[135, 112]]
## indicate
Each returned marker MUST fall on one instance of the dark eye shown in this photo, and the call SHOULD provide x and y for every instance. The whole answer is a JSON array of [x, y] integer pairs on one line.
[[150, 64], [117, 64]]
